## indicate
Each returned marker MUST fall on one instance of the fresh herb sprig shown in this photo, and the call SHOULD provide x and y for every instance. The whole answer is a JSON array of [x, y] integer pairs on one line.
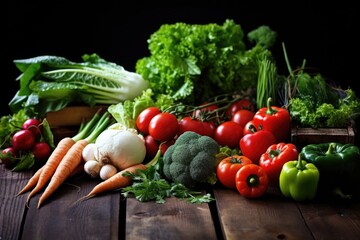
[[148, 185]]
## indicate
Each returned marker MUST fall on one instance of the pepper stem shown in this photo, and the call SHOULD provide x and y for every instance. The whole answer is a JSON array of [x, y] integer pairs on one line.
[[299, 164], [270, 110], [331, 148]]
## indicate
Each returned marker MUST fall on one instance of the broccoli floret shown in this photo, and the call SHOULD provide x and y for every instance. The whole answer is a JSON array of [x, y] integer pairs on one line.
[[263, 36], [191, 160]]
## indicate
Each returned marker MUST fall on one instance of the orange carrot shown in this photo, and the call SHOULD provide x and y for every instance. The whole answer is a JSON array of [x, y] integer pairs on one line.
[[32, 182], [51, 164], [115, 182], [67, 165]]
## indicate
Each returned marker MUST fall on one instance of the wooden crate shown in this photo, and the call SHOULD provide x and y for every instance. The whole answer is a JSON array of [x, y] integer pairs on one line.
[[303, 136], [67, 121], [71, 116]]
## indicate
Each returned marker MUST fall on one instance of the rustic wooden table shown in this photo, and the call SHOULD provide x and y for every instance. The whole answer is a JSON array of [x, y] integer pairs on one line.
[[109, 216]]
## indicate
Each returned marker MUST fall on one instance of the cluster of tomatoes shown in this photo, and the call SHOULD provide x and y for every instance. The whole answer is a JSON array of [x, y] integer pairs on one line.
[[238, 126], [160, 129], [25, 142]]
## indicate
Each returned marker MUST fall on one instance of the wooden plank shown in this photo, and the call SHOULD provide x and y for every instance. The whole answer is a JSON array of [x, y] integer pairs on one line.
[[268, 217], [62, 217], [332, 220], [175, 219], [12, 208]]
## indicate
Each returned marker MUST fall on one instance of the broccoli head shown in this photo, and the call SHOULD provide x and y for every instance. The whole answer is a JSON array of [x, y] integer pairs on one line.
[[191, 160]]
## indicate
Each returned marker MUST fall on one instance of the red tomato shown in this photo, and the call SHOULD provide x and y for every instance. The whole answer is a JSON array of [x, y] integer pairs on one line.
[[165, 145], [251, 181], [242, 117], [228, 167], [190, 124], [152, 146], [240, 104], [249, 128], [163, 127], [228, 134], [144, 118], [209, 129], [255, 144], [195, 125]]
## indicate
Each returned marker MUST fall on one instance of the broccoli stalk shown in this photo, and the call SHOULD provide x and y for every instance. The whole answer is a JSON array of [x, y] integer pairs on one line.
[[191, 160]]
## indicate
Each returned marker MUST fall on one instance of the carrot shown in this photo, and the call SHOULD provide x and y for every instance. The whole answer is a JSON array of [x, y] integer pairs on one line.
[[67, 165], [51, 164], [73, 157], [32, 182], [115, 182]]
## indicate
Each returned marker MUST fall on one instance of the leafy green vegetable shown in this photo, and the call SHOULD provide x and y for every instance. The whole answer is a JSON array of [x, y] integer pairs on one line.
[[263, 36], [126, 112], [148, 185], [50, 83], [193, 63], [306, 113]]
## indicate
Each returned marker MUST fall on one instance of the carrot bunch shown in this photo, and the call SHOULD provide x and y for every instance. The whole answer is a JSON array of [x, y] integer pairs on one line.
[[65, 158]]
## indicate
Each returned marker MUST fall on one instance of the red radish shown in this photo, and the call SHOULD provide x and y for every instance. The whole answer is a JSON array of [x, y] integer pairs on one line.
[[34, 125], [8, 162], [41, 152], [23, 140]]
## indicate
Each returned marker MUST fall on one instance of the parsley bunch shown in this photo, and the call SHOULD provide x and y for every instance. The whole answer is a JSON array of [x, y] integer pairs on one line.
[[148, 185]]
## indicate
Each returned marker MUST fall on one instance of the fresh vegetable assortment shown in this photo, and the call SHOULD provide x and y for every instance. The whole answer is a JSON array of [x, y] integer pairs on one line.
[[191, 116]]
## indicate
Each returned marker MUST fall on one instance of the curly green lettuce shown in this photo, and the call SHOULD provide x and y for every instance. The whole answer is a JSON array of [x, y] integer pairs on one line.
[[193, 62], [305, 113]]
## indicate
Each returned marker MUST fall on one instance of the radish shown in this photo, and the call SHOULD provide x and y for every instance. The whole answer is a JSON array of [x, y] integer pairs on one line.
[[23, 140], [9, 161], [121, 148], [34, 125], [41, 151]]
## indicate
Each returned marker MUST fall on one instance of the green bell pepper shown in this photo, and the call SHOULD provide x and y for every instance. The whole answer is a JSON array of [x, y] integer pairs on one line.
[[299, 180], [338, 164]]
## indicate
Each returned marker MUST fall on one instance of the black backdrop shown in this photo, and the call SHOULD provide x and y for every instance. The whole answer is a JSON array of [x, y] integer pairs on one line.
[[324, 34]]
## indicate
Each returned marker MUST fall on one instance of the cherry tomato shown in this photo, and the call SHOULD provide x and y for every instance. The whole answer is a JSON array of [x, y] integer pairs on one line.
[[144, 118], [165, 145], [34, 125], [41, 151], [228, 167], [23, 139], [249, 128], [228, 134], [190, 124], [209, 129], [163, 127], [152, 146], [242, 117], [244, 103], [196, 125]]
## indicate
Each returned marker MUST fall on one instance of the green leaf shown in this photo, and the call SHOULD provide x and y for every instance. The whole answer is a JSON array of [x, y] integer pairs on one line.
[[26, 162]]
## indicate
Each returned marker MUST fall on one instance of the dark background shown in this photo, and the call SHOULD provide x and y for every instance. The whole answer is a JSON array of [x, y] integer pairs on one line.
[[324, 35]]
